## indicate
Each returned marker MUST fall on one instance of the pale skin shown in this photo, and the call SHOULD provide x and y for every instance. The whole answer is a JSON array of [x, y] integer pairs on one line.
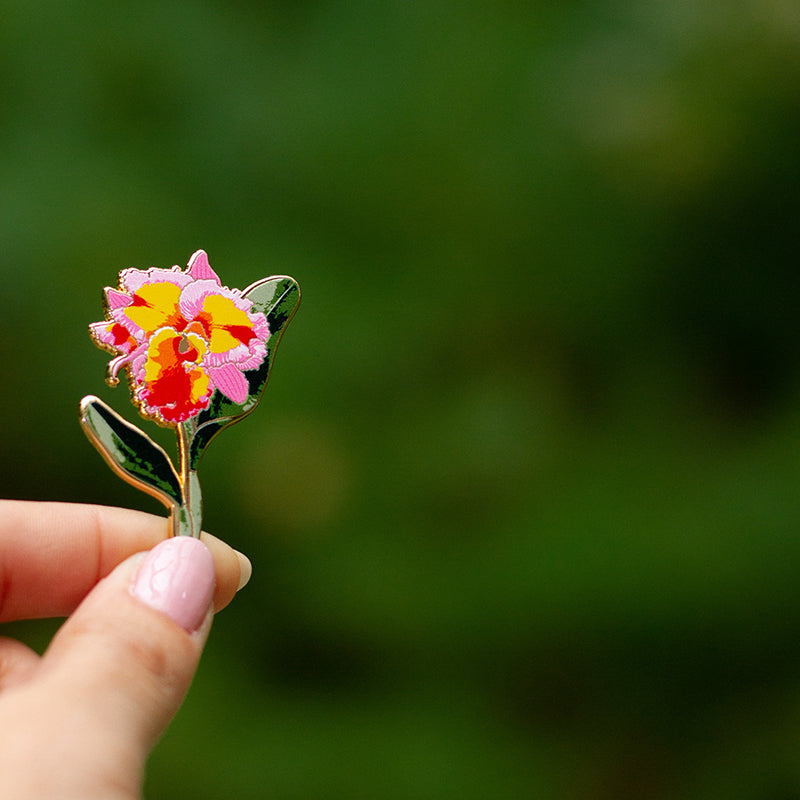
[[79, 722]]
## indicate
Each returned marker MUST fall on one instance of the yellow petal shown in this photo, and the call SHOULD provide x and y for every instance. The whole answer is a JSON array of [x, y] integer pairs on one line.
[[154, 306], [226, 322]]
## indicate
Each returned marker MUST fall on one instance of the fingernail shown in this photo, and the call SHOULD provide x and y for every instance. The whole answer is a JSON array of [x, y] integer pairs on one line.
[[245, 569], [177, 578]]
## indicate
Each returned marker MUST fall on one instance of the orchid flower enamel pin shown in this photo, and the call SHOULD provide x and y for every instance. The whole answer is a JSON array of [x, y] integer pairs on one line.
[[198, 356]]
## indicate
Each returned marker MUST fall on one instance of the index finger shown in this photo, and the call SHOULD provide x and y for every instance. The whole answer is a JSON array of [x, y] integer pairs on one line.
[[52, 554]]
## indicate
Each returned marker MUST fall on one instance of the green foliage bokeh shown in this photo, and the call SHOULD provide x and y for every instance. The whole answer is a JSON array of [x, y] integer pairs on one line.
[[521, 496]]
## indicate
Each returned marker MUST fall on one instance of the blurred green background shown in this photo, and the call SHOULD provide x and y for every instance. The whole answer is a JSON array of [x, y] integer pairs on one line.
[[521, 496]]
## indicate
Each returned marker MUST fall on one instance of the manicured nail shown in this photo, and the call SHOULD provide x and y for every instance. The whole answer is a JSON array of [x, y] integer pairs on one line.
[[177, 578], [245, 569]]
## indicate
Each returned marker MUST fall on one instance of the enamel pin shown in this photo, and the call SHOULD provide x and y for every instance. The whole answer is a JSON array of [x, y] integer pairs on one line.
[[197, 356]]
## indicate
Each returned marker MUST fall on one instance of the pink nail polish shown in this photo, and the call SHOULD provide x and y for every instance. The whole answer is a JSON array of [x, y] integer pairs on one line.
[[177, 578]]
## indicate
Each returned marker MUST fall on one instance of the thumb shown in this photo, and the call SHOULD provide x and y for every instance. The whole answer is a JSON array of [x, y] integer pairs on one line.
[[120, 666]]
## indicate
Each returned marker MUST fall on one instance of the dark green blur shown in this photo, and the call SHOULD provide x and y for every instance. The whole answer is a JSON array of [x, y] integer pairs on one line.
[[522, 494]]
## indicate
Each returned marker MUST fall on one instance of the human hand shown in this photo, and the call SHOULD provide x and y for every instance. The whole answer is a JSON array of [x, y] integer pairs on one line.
[[78, 722]]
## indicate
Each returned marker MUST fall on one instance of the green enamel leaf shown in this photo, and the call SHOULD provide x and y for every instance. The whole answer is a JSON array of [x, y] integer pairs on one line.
[[277, 298], [134, 456]]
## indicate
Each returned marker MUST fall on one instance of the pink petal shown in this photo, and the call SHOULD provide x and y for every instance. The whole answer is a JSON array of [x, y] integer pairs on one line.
[[200, 269], [256, 354], [134, 279], [193, 295], [230, 382], [228, 357], [116, 299], [135, 358], [260, 325], [101, 332]]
